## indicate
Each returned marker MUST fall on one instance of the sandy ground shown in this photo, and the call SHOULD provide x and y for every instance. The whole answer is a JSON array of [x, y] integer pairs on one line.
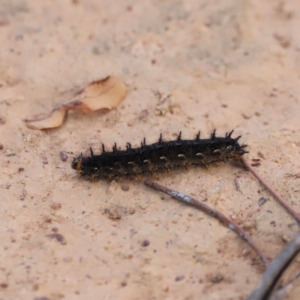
[[189, 65]]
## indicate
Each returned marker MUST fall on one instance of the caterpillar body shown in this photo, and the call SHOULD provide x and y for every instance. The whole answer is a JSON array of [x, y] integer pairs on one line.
[[158, 157]]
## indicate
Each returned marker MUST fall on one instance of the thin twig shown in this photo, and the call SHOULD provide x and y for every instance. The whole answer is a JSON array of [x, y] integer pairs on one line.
[[214, 213], [271, 190], [273, 273]]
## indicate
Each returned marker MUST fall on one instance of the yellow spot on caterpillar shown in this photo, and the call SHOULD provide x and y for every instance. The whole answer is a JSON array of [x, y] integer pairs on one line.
[[78, 166], [206, 166], [167, 169], [199, 155], [217, 151], [163, 158], [138, 177], [155, 175], [181, 155], [147, 161]]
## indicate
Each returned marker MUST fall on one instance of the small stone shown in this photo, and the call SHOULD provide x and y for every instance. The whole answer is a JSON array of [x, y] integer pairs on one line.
[[284, 41], [261, 155], [10, 153], [114, 215], [179, 278], [96, 51], [249, 225], [286, 238], [247, 116], [58, 237], [233, 217], [145, 243], [124, 188], [48, 219], [262, 201], [56, 205], [165, 288], [218, 278], [144, 115], [214, 278], [63, 156]]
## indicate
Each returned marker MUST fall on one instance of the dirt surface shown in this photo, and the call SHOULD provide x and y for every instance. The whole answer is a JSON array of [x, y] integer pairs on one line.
[[189, 65]]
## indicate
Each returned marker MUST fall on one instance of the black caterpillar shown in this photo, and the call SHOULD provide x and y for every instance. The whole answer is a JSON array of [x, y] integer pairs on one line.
[[160, 156]]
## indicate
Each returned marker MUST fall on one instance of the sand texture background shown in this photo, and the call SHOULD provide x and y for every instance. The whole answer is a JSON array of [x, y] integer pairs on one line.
[[189, 65]]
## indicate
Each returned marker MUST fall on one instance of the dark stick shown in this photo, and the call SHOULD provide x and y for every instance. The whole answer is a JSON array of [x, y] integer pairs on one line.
[[214, 213], [273, 273], [271, 190]]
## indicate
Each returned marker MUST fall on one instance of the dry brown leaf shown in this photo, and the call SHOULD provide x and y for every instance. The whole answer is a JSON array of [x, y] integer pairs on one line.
[[106, 93]]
